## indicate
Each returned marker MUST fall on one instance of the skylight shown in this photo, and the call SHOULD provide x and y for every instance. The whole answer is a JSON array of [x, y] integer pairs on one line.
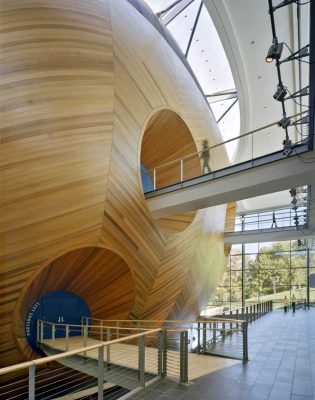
[[191, 26]]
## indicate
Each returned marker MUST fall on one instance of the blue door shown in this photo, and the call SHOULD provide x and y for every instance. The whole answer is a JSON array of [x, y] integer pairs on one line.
[[56, 307]]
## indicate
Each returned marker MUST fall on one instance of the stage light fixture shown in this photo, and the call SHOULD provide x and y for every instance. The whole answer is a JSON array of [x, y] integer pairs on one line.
[[284, 122], [274, 52], [280, 93], [294, 201]]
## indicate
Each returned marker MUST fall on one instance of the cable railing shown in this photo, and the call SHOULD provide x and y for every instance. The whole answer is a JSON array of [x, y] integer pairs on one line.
[[171, 344], [198, 335], [126, 362], [109, 358], [254, 145], [284, 218]]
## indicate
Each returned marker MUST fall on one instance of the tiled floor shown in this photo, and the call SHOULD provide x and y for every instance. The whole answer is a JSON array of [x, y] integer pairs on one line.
[[281, 366]]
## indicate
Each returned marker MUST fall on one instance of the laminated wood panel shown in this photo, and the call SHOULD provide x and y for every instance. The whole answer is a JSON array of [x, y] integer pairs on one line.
[[80, 82]]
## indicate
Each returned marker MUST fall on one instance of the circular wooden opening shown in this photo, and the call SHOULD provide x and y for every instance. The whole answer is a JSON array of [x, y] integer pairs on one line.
[[99, 276], [166, 140]]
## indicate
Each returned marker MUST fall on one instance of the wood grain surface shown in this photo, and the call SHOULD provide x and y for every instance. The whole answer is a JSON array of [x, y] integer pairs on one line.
[[80, 83]]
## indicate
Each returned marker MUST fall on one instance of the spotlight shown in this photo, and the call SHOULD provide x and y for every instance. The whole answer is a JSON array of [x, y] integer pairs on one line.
[[274, 52], [287, 147], [280, 93], [284, 122]]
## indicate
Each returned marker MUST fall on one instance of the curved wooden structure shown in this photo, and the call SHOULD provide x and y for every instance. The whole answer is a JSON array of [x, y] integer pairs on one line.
[[80, 82], [167, 138], [94, 274]]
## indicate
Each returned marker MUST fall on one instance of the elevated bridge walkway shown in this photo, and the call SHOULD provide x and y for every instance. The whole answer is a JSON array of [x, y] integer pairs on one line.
[[256, 173]]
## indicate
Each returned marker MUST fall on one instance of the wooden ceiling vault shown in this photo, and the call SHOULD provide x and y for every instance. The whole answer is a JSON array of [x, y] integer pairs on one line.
[[81, 83]]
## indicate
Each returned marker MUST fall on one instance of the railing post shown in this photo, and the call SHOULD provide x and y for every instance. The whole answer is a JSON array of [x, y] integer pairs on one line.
[[198, 338], [223, 331], [101, 332], [84, 335], [31, 382], [245, 341], [117, 330], [154, 179], [214, 337], [41, 330], [108, 347], [100, 373], [231, 315], [160, 354], [237, 317], [53, 332], [38, 338], [181, 170], [251, 312], [141, 359], [204, 337], [67, 337], [183, 357], [164, 357]]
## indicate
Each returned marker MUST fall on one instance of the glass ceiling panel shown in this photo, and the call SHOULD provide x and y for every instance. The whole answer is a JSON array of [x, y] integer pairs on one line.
[[182, 25], [159, 5], [220, 107], [230, 128], [207, 57], [208, 60]]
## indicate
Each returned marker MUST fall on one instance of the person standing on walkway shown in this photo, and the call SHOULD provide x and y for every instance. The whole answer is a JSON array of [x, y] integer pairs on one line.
[[274, 221], [293, 302], [205, 157], [285, 303]]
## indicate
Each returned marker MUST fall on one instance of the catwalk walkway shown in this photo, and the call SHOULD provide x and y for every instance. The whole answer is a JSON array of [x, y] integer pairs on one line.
[[281, 366]]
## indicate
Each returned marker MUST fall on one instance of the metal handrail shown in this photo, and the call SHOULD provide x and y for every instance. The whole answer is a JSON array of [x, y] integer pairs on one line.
[[223, 143], [90, 326], [70, 353], [210, 319]]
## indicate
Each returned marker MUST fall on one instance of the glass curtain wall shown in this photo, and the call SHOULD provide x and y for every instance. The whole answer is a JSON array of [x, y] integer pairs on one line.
[[271, 272]]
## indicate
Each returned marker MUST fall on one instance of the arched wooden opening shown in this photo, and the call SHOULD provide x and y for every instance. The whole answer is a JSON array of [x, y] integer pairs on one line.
[[167, 138], [99, 276]]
